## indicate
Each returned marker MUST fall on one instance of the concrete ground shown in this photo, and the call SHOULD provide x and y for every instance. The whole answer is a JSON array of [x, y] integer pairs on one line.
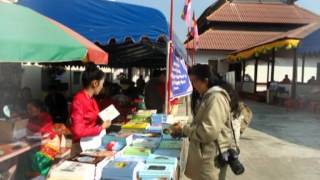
[[280, 145]]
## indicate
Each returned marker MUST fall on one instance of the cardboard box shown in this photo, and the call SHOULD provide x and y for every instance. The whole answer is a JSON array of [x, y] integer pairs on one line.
[[13, 129]]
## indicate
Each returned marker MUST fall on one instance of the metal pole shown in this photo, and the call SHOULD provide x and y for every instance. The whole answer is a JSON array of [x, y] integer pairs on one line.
[[268, 69], [167, 79], [243, 70], [294, 74], [255, 75], [169, 64], [273, 64], [303, 64], [71, 88]]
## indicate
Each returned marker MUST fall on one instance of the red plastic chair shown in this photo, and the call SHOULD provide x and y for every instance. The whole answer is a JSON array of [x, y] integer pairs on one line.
[[290, 104]]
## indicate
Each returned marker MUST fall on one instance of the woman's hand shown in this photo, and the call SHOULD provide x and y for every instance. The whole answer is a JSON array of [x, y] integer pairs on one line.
[[106, 124], [176, 130]]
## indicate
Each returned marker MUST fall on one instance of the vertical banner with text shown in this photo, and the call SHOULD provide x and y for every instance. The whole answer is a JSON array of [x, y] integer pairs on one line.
[[180, 82]]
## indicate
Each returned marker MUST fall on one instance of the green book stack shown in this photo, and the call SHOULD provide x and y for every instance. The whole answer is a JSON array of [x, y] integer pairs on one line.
[[136, 151], [141, 118], [170, 144]]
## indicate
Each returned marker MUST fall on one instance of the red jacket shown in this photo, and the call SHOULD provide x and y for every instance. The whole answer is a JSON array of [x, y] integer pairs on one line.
[[84, 114], [42, 124]]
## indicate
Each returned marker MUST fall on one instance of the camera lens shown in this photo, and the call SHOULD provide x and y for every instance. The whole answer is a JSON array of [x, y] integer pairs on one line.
[[234, 162], [236, 167]]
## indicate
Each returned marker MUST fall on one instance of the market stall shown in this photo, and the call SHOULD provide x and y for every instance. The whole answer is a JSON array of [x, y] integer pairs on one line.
[[140, 150], [131, 41], [27, 36]]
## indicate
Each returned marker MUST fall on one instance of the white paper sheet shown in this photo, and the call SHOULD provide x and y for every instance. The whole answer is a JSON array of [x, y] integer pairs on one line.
[[92, 142], [109, 113]]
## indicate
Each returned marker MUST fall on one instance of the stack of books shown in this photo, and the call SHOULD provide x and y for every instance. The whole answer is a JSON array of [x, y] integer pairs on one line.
[[140, 118], [159, 159], [70, 170], [98, 153], [147, 142], [135, 127], [120, 170], [154, 129], [168, 152], [147, 112], [169, 147], [136, 151], [157, 171], [158, 119], [123, 138], [170, 144], [97, 161]]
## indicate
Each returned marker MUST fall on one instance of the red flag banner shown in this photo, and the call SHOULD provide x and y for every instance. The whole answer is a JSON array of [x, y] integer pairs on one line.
[[194, 31], [185, 15]]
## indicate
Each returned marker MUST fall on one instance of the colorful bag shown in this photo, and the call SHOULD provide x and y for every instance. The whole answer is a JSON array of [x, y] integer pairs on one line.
[[43, 159], [245, 116]]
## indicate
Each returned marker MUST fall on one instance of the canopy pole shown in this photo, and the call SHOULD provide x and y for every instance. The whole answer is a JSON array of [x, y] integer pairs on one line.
[[302, 71], [268, 70], [273, 64], [243, 70], [169, 63], [294, 74], [255, 75], [71, 88], [167, 80]]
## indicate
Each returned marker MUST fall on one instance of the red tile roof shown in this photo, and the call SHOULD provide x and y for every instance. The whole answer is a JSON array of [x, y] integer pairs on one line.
[[298, 33], [262, 13], [230, 40]]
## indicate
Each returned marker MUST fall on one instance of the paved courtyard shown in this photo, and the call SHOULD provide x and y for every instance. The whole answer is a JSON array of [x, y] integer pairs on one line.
[[280, 145]]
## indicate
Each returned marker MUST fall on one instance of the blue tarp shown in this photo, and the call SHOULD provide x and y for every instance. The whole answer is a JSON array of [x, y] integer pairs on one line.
[[102, 20], [310, 45]]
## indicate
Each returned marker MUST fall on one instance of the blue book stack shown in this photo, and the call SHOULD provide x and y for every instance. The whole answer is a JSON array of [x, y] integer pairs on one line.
[[154, 129], [120, 170], [157, 171], [168, 152], [160, 159], [157, 119], [123, 138], [147, 142], [170, 144]]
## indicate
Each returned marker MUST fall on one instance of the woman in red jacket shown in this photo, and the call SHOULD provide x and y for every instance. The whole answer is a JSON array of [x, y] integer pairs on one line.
[[84, 108]]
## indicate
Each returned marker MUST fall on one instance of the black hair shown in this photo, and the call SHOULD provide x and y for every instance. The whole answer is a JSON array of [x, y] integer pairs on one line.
[[203, 73], [38, 104], [91, 73]]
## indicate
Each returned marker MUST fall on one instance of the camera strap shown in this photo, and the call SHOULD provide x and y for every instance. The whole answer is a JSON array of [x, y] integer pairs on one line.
[[231, 125]]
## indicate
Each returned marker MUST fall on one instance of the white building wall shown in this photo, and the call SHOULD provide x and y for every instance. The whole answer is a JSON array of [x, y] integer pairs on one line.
[[202, 57], [284, 66]]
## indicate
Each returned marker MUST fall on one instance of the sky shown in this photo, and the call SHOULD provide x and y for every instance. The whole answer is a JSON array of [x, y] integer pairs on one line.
[[199, 6]]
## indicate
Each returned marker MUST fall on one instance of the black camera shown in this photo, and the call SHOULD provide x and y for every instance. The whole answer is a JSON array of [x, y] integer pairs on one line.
[[231, 157]]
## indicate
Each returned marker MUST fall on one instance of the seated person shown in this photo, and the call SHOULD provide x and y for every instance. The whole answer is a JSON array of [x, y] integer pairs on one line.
[[39, 120], [312, 80], [286, 80]]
